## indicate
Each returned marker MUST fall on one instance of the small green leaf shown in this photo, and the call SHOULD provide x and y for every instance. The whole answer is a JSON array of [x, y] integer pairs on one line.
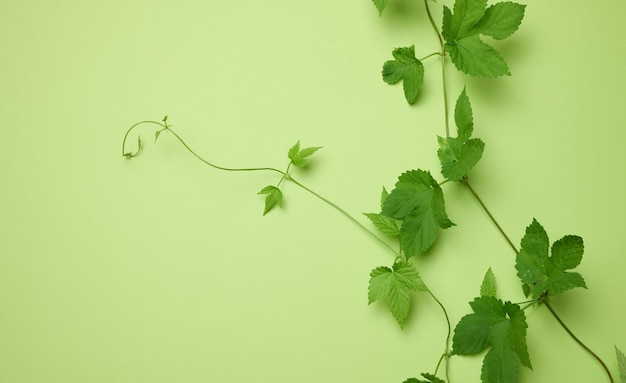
[[405, 67], [383, 196], [384, 224], [621, 362], [395, 285], [548, 274], [463, 116], [501, 20], [418, 202], [459, 155], [488, 288], [499, 326], [300, 157], [273, 197]]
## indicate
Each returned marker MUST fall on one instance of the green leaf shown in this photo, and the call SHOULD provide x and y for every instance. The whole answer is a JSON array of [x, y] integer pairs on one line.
[[384, 224], [459, 155], [430, 378], [621, 362], [299, 157], [547, 274], [499, 326], [488, 288], [462, 27], [501, 20], [418, 202], [273, 197], [380, 5], [395, 285], [474, 57], [463, 116], [405, 67]]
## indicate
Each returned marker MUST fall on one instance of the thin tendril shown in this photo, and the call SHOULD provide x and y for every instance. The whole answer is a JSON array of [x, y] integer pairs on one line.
[[447, 349], [285, 175]]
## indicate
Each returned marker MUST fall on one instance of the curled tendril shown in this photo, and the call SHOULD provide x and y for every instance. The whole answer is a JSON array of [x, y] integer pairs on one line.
[[132, 154]]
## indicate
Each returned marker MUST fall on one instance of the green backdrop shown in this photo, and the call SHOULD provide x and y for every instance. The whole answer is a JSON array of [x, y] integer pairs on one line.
[[160, 269]]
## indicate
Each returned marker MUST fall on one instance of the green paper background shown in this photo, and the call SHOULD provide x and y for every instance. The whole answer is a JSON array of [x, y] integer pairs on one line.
[[160, 269]]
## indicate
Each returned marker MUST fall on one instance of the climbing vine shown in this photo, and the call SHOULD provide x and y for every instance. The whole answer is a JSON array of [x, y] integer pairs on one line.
[[413, 211]]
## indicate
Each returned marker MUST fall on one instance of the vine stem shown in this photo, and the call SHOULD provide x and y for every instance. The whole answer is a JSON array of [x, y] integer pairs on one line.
[[443, 67], [285, 174], [580, 343], [554, 314], [495, 222], [446, 354]]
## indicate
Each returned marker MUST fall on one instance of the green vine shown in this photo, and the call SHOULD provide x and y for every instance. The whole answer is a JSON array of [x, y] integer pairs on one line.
[[414, 212]]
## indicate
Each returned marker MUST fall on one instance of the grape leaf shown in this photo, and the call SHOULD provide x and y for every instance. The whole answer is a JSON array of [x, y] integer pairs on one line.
[[430, 378], [405, 67], [499, 326], [462, 28], [395, 285], [273, 197], [621, 362], [299, 157], [546, 274], [458, 155], [418, 202], [488, 288]]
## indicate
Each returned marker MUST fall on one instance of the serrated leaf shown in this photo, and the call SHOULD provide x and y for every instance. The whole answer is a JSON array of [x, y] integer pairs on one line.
[[380, 5], [395, 285], [472, 56], [501, 20], [544, 273], [488, 288], [383, 196], [273, 197], [499, 326], [463, 116], [460, 24], [458, 157], [384, 224], [461, 29], [299, 157], [621, 362], [418, 202], [406, 68]]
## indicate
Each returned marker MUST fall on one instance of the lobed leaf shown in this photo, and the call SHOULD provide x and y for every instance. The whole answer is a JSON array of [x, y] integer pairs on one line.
[[300, 157], [499, 326], [418, 202], [395, 285], [462, 27], [545, 274], [406, 68], [459, 155], [273, 197]]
